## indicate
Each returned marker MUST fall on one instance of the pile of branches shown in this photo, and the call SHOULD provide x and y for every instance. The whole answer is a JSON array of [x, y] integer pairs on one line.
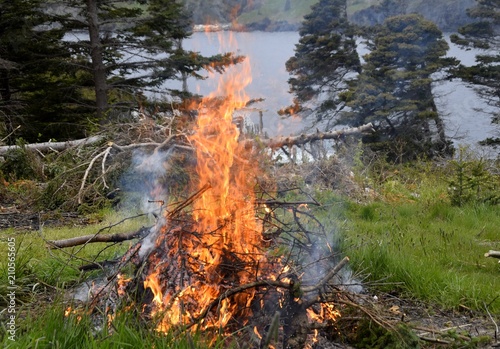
[[89, 172], [295, 240]]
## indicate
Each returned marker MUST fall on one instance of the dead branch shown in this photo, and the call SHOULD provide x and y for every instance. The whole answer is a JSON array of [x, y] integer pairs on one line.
[[51, 146], [87, 171], [434, 340], [327, 277], [98, 265], [273, 143], [278, 142], [81, 240]]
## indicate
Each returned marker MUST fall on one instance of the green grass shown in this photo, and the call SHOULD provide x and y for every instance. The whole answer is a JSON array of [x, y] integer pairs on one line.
[[39, 268], [427, 249], [51, 329], [402, 236], [275, 10]]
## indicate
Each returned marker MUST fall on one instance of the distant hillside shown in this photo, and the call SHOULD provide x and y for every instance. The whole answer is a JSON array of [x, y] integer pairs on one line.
[[447, 14], [278, 15]]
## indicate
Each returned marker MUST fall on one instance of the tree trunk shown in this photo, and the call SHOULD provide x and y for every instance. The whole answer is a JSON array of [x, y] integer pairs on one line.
[[98, 67]]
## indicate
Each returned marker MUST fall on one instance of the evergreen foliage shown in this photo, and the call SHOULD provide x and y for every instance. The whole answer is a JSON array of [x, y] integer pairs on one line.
[[394, 89], [68, 66], [39, 93], [325, 58]]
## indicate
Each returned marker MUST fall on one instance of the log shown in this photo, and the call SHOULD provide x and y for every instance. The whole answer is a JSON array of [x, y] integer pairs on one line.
[[53, 146], [493, 254], [278, 142], [81, 240]]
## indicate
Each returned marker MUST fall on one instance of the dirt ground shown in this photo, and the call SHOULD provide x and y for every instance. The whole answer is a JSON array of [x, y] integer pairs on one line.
[[20, 219]]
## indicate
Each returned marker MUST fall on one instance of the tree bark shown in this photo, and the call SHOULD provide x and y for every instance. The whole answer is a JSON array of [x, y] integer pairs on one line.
[[51, 146], [87, 239]]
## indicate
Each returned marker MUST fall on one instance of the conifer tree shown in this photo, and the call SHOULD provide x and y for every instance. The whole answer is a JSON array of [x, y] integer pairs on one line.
[[394, 89], [324, 59], [39, 94], [136, 48]]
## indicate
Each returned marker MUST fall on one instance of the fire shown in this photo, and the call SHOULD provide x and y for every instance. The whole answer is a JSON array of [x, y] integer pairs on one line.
[[207, 270], [222, 245], [122, 282], [327, 313]]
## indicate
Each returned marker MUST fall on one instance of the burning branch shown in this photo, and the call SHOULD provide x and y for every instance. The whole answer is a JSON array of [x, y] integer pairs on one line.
[[327, 277]]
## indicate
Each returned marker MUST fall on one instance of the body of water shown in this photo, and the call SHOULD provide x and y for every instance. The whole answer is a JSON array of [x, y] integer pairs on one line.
[[466, 115], [267, 53]]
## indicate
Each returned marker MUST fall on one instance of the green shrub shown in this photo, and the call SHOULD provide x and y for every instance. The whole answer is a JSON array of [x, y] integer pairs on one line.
[[473, 181]]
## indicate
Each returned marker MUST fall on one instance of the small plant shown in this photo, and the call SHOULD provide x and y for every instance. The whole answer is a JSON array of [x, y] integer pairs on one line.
[[472, 182]]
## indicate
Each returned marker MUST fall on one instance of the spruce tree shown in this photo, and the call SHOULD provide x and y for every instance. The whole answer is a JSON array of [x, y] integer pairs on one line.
[[394, 89], [39, 93], [135, 49], [324, 59]]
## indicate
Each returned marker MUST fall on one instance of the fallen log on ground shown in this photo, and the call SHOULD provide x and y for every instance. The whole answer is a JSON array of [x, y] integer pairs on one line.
[[278, 142], [53, 146], [87, 239], [273, 143]]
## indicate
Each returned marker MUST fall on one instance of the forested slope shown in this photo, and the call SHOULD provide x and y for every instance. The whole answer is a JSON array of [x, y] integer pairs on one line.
[[287, 14]]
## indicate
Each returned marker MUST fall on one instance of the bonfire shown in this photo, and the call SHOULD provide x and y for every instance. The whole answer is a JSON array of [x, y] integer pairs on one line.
[[222, 261]]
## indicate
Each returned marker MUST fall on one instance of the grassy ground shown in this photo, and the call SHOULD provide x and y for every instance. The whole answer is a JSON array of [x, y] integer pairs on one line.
[[401, 233], [412, 238]]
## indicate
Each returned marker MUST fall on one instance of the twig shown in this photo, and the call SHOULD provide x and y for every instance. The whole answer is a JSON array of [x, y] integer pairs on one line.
[[189, 200], [10, 134], [492, 320], [434, 340], [327, 277], [285, 203], [431, 330]]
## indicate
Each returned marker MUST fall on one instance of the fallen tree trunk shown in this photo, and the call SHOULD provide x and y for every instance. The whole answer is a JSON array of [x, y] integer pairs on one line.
[[53, 146], [87, 239], [278, 142]]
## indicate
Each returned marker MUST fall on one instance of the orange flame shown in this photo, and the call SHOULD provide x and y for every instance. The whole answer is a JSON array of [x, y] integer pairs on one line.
[[224, 215]]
